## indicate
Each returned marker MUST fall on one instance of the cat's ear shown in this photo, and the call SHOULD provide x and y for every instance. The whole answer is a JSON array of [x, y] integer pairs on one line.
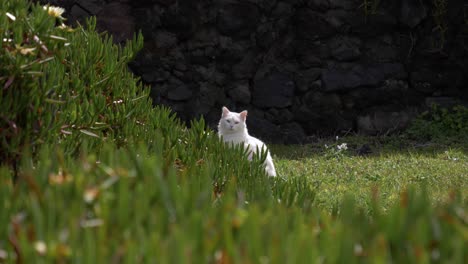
[[243, 115], [225, 111]]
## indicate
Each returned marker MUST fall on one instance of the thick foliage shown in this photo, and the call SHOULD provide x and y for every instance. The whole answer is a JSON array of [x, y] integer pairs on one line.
[[441, 124], [63, 85], [131, 206]]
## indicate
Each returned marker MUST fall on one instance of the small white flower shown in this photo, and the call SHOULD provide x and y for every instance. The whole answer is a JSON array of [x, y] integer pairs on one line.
[[343, 146], [40, 247], [54, 11], [358, 250]]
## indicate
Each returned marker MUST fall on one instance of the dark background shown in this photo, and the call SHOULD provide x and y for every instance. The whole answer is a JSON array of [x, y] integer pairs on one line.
[[301, 68]]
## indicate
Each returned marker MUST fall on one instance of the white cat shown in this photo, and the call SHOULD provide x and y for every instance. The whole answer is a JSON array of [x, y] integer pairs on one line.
[[233, 129]]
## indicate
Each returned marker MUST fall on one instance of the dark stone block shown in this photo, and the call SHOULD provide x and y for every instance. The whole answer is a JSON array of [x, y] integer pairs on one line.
[[327, 124], [345, 48], [274, 90], [380, 121], [412, 12], [115, 18], [345, 4], [311, 25], [240, 92], [264, 129], [238, 19], [353, 76], [320, 5], [306, 80], [381, 51], [279, 116], [179, 93], [293, 133]]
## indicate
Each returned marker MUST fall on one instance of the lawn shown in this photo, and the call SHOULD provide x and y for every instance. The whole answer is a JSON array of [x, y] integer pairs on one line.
[[389, 165]]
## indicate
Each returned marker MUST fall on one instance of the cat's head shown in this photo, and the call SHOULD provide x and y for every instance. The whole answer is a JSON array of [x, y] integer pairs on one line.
[[232, 122]]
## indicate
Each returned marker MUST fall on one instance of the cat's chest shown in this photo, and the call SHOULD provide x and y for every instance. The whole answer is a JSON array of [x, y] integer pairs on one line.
[[235, 139]]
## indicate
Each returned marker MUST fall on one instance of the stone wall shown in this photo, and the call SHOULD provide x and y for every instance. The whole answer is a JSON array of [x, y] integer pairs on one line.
[[300, 67]]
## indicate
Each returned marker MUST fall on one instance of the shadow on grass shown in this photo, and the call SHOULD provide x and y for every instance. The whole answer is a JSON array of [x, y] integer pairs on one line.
[[369, 146]]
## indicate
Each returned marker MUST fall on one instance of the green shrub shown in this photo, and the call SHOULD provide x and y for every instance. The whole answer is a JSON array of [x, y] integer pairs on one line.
[[441, 124], [127, 206], [62, 85]]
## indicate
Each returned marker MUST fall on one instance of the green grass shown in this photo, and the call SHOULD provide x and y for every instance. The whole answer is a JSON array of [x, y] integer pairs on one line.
[[392, 166]]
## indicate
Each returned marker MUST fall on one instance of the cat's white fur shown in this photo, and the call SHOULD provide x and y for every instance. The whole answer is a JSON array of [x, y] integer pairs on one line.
[[233, 129]]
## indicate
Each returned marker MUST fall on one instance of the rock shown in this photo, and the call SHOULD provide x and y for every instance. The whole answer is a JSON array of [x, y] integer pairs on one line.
[[274, 90], [316, 85], [266, 35], [164, 2], [205, 73], [311, 25], [305, 80], [179, 93], [323, 102], [238, 19], [115, 18], [430, 78], [233, 53], [345, 48], [412, 12], [356, 75], [309, 60], [444, 102], [320, 5], [264, 129], [344, 4], [379, 51], [279, 116], [384, 121], [205, 37], [311, 53], [423, 80], [390, 92], [92, 7], [77, 13], [165, 39], [180, 19], [314, 105], [282, 9], [155, 76], [303, 113], [211, 94], [240, 92], [246, 67], [293, 133], [346, 21], [327, 124]]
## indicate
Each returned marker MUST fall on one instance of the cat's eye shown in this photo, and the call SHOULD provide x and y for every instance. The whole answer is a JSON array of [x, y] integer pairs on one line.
[[229, 121], [237, 122]]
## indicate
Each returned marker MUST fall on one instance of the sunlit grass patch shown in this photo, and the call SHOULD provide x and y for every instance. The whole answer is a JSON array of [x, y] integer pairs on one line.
[[388, 168]]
